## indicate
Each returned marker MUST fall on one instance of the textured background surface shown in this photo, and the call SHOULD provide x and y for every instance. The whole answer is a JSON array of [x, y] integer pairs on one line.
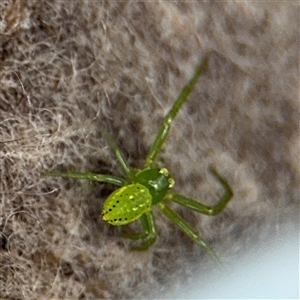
[[90, 65]]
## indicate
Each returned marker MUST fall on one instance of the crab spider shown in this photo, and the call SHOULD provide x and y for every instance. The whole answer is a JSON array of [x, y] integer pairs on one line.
[[151, 186]]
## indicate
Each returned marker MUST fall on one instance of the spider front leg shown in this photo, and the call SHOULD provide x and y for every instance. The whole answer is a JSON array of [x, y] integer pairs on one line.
[[100, 177], [168, 119], [201, 208], [148, 232], [88, 176], [188, 230], [119, 154]]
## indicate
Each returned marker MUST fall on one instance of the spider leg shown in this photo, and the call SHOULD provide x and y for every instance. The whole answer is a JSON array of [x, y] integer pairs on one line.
[[89, 176], [201, 208], [120, 156], [188, 230], [148, 232], [165, 127]]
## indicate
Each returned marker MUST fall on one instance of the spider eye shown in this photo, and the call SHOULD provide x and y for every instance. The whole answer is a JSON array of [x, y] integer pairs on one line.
[[165, 172], [171, 182]]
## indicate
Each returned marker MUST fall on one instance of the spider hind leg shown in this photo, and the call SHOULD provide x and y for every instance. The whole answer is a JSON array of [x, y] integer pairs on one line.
[[148, 233]]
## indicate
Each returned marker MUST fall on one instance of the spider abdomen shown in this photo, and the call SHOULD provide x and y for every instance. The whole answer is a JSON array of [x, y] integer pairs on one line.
[[126, 204]]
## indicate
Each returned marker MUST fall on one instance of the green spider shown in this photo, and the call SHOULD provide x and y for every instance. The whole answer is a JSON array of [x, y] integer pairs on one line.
[[150, 187]]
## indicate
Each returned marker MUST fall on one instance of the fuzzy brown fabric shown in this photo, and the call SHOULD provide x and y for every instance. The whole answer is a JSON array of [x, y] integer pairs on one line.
[[70, 69]]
